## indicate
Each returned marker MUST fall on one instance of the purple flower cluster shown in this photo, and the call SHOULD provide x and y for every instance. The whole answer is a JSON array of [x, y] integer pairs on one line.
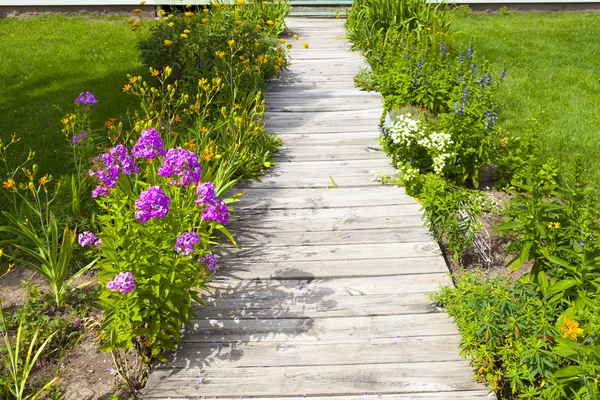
[[153, 203], [86, 99], [206, 193], [182, 165], [214, 209], [149, 145], [184, 244], [123, 282], [210, 261], [443, 49], [106, 168], [89, 239], [77, 139]]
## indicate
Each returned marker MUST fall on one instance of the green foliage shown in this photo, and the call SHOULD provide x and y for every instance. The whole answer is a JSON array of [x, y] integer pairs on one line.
[[371, 22], [453, 212], [19, 367], [507, 332]]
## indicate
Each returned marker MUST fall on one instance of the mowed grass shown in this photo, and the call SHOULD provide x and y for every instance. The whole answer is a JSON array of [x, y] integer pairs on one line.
[[553, 62], [46, 62]]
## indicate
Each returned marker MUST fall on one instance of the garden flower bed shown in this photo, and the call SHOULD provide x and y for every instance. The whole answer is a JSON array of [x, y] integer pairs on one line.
[[141, 210], [531, 337]]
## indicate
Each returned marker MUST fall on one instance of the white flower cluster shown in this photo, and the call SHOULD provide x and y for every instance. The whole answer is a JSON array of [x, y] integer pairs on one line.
[[406, 172], [404, 129], [438, 142]]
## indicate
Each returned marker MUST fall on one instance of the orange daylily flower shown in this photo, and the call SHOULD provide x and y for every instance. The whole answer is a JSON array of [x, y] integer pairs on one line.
[[571, 328]]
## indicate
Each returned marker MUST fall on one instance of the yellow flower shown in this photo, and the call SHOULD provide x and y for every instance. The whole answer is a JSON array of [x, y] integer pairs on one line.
[[220, 54], [171, 24], [137, 11], [281, 40], [188, 14], [277, 68], [289, 46], [155, 72], [110, 122], [267, 164], [203, 130], [241, 1], [337, 15], [235, 31], [177, 118], [231, 42], [136, 25], [170, 16], [206, 10], [9, 183], [554, 225], [238, 22], [205, 20], [258, 26], [278, 48], [1, 252], [142, 3], [266, 3], [305, 45], [216, 4], [131, 20], [188, 6], [133, 79], [162, 13], [168, 42], [127, 87], [187, 31], [65, 121], [270, 23], [183, 35], [571, 329], [44, 179], [295, 36], [280, 61]]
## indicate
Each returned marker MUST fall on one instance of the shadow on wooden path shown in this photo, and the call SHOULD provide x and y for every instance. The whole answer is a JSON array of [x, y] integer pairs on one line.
[[326, 298]]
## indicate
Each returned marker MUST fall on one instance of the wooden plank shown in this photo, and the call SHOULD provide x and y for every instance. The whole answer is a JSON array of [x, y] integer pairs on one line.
[[324, 139], [289, 107], [287, 354], [344, 306], [331, 252], [324, 289], [315, 380], [309, 180], [301, 269], [255, 237], [453, 395], [289, 216], [319, 329]]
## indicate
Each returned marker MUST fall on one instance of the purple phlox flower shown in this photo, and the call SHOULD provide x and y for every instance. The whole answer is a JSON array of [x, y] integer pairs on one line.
[[443, 49], [87, 238], [183, 165], [184, 244], [77, 139], [209, 261], [153, 203], [121, 156], [86, 99], [470, 51], [76, 322], [123, 282], [206, 193], [149, 145], [216, 212], [99, 191], [106, 167]]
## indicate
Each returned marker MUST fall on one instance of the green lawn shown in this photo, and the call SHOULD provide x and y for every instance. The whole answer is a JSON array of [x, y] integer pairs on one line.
[[553, 62], [46, 62]]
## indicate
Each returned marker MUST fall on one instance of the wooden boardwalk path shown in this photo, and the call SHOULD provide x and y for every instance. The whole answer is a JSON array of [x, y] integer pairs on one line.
[[326, 298]]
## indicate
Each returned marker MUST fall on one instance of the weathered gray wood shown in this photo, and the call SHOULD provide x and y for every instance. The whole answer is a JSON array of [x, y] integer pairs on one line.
[[450, 395], [288, 354], [342, 306], [316, 380]]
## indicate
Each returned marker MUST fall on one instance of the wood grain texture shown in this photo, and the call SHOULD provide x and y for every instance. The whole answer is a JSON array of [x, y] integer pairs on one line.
[[326, 294]]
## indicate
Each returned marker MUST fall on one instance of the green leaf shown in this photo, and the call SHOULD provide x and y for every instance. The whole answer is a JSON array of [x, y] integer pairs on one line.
[[568, 372]]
